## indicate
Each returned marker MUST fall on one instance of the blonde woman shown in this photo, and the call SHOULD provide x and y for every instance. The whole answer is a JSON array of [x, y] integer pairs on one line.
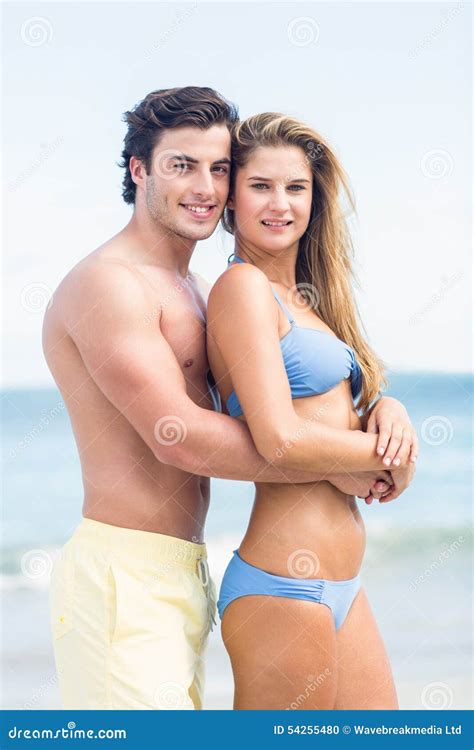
[[287, 353]]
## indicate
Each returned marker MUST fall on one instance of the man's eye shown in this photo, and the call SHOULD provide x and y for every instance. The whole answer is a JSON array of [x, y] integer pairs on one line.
[[181, 166], [221, 170]]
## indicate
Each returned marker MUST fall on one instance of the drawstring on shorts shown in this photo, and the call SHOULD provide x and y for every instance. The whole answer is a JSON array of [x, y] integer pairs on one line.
[[204, 577]]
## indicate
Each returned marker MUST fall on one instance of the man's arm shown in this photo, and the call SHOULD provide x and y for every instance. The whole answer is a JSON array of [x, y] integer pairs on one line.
[[136, 369]]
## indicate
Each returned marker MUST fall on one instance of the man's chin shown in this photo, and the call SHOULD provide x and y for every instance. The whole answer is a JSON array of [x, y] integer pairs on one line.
[[195, 233]]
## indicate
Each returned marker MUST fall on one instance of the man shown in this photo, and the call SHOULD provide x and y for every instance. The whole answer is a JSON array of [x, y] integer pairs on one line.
[[131, 596]]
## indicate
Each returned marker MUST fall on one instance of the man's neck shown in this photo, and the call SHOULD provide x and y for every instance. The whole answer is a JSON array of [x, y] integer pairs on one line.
[[154, 245]]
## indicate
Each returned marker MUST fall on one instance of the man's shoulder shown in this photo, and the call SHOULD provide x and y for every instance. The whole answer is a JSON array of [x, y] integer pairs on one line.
[[99, 284], [100, 271]]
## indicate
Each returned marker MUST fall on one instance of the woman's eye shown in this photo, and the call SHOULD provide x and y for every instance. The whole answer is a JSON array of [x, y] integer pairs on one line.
[[293, 188]]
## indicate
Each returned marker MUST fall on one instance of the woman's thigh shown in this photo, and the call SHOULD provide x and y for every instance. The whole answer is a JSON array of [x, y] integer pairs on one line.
[[365, 678], [283, 653]]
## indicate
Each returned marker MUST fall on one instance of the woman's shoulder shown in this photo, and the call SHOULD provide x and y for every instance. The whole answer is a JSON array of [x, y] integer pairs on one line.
[[240, 295], [238, 278]]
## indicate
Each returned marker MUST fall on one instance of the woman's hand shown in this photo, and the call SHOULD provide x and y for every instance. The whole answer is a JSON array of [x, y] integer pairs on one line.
[[398, 441]]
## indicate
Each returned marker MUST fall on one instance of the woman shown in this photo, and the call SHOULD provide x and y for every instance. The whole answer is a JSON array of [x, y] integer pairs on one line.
[[286, 352]]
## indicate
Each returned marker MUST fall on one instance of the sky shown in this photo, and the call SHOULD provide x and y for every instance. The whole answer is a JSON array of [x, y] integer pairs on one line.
[[387, 84]]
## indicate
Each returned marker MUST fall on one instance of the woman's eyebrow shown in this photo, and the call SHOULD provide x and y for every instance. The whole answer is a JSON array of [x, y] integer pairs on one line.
[[269, 179]]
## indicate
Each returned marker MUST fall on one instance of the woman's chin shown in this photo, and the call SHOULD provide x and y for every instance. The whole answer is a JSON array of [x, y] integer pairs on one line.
[[272, 242]]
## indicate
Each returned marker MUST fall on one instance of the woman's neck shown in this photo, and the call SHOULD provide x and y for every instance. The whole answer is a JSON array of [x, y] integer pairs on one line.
[[280, 269]]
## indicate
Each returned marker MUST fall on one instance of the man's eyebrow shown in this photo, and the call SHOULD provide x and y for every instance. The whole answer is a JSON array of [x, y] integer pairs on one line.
[[269, 179], [183, 157], [191, 160]]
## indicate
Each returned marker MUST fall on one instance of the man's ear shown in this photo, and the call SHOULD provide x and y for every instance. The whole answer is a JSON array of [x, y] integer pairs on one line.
[[230, 203], [137, 170]]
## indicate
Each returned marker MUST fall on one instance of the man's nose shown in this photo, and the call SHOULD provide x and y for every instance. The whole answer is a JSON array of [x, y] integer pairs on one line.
[[202, 184]]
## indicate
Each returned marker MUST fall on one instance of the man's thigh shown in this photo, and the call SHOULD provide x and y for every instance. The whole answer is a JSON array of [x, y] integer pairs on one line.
[[126, 638]]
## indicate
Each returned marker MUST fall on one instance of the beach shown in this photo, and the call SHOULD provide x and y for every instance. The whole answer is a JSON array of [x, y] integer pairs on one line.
[[416, 571]]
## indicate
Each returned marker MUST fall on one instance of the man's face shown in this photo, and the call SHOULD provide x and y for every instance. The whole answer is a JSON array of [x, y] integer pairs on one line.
[[187, 188]]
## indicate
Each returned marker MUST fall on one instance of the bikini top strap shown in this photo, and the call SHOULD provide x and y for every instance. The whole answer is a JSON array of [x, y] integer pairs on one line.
[[283, 307], [234, 257]]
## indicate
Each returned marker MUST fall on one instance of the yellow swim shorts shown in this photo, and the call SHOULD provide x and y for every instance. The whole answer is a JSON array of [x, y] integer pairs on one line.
[[131, 612]]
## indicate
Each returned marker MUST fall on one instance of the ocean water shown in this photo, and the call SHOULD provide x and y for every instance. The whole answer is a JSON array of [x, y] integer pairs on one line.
[[417, 571]]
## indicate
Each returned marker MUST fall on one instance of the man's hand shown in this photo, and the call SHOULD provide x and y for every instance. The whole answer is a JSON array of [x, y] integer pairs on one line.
[[368, 485], [397, 436], [401, 480]]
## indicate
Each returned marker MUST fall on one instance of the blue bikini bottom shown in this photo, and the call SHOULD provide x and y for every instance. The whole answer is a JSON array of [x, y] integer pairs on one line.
[[243, 579]]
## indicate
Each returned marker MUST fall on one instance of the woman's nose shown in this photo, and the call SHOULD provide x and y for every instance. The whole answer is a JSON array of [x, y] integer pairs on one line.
[[278, 201]]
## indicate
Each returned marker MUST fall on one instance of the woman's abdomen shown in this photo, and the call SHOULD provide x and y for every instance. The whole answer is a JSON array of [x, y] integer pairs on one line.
[[309, 530]]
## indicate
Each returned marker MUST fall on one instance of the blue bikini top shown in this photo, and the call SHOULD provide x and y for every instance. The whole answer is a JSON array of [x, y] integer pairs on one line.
[[315, 361]]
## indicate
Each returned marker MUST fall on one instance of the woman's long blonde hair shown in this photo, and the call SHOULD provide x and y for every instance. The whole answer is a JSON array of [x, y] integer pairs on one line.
[[324, 260]]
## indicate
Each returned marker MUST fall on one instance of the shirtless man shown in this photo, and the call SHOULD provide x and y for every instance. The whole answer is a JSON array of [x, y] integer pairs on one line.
[[131, 597]]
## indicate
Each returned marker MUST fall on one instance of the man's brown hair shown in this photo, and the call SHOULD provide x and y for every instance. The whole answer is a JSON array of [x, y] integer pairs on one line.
[[196, 106]]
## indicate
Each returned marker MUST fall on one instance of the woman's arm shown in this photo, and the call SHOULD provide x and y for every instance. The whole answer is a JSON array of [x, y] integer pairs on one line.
[[243, 323], [397, 437]]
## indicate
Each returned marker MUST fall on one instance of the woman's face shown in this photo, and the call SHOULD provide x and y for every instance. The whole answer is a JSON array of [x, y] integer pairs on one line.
[[272, 199]]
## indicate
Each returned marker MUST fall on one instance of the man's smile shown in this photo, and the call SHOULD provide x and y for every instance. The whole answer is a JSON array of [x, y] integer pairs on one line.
[[199, 211]]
